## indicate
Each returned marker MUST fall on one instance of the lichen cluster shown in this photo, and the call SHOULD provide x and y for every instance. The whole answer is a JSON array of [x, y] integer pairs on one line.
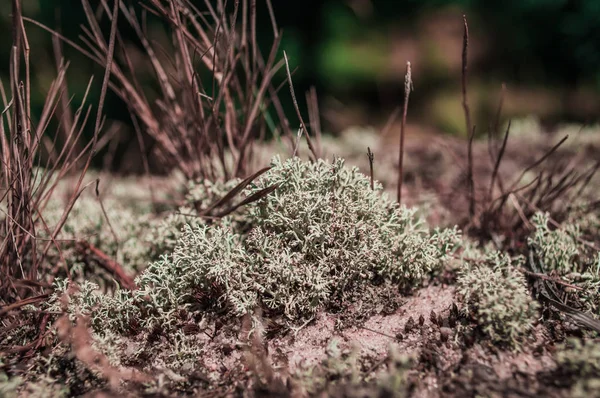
[[565, 252], [495, 296], [579, 360], [320, 241], [321, 234], [344, 373]]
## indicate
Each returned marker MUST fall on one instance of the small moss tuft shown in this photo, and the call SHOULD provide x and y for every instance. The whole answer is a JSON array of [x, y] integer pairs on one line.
[[495, 296], [579, 360], [563, 252]]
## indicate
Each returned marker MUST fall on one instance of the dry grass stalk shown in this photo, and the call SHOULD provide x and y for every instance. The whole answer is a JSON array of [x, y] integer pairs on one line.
[[551, 190], [500, 154], [465, 65], [553, 186], [196, 124], [467, 111], [408, 85], [470, 177], [80, 339], [371, 158], [104, 261], [314, 117], [32, 165], [303, 129]]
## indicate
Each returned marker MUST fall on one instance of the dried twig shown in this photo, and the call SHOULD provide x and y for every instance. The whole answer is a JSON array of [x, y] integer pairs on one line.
[[232, 193], [371, 158], [108, 264], [496, 130], [470, 176], [551, 279], [24, 302], [314, 117], [408, 86], [498, 161], [302, 124], [465, 54]]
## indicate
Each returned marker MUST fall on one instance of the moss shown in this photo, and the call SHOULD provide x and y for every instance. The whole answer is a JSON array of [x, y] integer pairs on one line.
[[121, 236], [494, 294], [163, 233], [344, 373], [579, 360], [322, 234], [563, 251]]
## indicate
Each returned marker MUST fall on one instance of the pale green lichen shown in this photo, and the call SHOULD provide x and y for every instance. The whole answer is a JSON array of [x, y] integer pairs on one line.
[[115, 312], [580, 360], [345, 373], [163, 233], [322, 237], [494, 294], [576, 261], [558, 248], [321, 233], [119, 233], [42, 387]]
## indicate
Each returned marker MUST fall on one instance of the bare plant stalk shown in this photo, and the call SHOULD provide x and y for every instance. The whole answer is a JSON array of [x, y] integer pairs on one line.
[[465, 54], [499, 110], [408, 86], [470, 128], [314, 116], [371, 158], [302, 124], [498, 161], [470, 177], [31, 166]]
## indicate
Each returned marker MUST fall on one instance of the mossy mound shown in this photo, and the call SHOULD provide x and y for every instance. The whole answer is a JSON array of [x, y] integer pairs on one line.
[[321, 235], [495, 295]]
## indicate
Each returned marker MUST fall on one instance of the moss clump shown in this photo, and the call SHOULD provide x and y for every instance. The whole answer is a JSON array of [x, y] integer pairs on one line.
[[119, 233], [320, 236], [345, 373], [579, 361], [495, 296], [563, 252], [117, 312], [163, 233]]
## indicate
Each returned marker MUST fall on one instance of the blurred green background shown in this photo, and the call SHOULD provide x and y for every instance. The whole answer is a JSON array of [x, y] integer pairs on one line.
[[354, 52]]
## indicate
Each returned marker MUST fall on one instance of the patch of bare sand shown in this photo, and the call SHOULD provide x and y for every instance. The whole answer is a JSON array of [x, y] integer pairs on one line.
[[442, 367], [308, 345], [371, 338]]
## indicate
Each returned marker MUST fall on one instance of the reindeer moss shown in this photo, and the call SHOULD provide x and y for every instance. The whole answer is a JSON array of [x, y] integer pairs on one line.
[[321, 234], [495, 295]]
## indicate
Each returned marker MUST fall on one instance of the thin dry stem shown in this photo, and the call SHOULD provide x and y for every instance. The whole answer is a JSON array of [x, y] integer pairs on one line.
[[408, 85]]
